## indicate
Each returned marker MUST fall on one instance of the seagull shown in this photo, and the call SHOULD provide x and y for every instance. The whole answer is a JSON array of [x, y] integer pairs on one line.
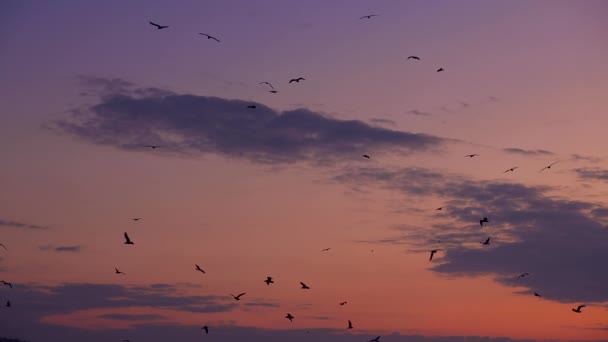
[[433, 253], [297, 80], [342, 303], [289, 317], [366, 156], [511, 169], [128, 241], [537, 295], [118, 272], [206, 328], [160, 27], [487, 242], [137, 219], [547, 167], [265, 82], [485, 219], [152, 146], [269, 281], [238, 297], [472, 155], [578, 310], [369, 16], [210, 37], [377, 339], [325, 249], [4, 246], [440, 208], [350, 324], [198, 268], [252, 107], [304, 286], [273, 91], [440, 69], [414, 57], [6, 283], [523, 275]]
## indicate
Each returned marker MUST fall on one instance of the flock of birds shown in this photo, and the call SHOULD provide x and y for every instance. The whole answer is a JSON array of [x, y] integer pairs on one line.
[[269, 280]]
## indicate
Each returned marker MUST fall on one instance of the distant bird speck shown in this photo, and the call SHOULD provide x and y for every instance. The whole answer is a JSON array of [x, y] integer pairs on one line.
[[578, 309], [152, 146], [414, 57], [198, 268], [239, 296], [440, 69], [366, 156], [160, 27], [433, 253], [118, 272], [265, 82], [6, 283], [377, 339], [369, 16], [487, 242], [511, 169], [325, 249], [251, 107], [350, 324], [297, 80], [269, 281], [537, 295], [485, 219], [523, 275], [209, 37], [343, 303], [304, 286], [289, 317], [548, 167], [206, 328], [128, 240], [472, 155]]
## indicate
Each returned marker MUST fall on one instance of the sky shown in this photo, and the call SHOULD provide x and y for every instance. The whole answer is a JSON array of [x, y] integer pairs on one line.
[[248, 193]]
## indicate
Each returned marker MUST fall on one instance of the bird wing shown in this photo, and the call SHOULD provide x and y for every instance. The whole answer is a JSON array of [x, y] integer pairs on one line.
[[215, 39], [127, 237], [241, 294], [581, 306], [151, 23], [303, 285]]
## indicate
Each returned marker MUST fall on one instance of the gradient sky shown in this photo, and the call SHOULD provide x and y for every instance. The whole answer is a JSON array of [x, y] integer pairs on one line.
[[250, 193]]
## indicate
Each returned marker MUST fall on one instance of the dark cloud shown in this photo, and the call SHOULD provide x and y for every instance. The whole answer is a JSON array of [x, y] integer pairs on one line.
[[129, 117], [592, 174], [8, 223], [578, 157], [560, 241], [127, 317], [381, 121], [61, 248], [529, 153]]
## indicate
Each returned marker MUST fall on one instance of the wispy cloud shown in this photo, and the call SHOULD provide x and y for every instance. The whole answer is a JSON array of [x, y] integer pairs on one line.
[[578, 157], [381, 121], [72, 249], [528, 153], [417, 112], [21, 225], [592, 174]]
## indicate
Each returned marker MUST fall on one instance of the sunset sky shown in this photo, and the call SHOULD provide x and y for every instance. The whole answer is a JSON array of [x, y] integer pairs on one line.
[[250, 193]]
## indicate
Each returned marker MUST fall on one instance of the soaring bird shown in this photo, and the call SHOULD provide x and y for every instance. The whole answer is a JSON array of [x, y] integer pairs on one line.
[[265, 82], [137, 219], [6, 283], [472, 155], [210, 37], [4, 246], [289, 317], [377, 339], [127, 240], [485, 219], [366, 156], [343, 303], [548, 167], [325, 249], [304, 286], [487, 242], [269, 281], [433, 253], [160, 27], [511, 169], [152, 146], [206, 328], [414, 57], [523, 275], [252, 107], [440, 69], [350, 324], [118, 272], [369, 16], [273, 91], [578, 310], [198, 268], [440, 208], [238, 297], [537, 295], [297, 80]]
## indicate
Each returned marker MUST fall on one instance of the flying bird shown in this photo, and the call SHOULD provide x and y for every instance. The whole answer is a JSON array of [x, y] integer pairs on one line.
[[304, 286], [485, 219], [343, 303], [152, 146], [273, 91], [369, 16], [210, 37], [297, 80], [440, 69], [440, 208], [433, 253], [511, 169], [4, 246], [472, 155], [547, 167], [160, 27], [6, 283], [206, 328], [350, 324], [238, 297], [265, 82], [118, 272], [269, 281], [414, 57], [487, 242], [523, 275], [137, 219], [325, 249], [252, 107], [289, 317], [537, 295], [198, 268], [578, 310], [8, 304], [377, 339], [128, 240], [366, 156]]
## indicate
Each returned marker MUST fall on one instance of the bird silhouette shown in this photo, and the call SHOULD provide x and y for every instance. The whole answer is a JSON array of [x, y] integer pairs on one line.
[[160, 27], [6, 283], [433, 253], [269, 281], [8, 303], [366, 156], [137, 219], [578, 310], [152, 146], [548, 166], [414, 57], [304, 286], [265, 82], [369, 16], [206, 328], [239, 296], [297, 80], [210, 37], [537, 295], [252, 107], [440, 69], [343, 303], [128, 240], [118, 272], [440, 208], [487, 242], [377, 339], [198, 268], [3, 246], [472, 155], [273, 91], [325, 249], [485, 219], [350, 324], [523, 275], [511, 169], [289, 317]]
